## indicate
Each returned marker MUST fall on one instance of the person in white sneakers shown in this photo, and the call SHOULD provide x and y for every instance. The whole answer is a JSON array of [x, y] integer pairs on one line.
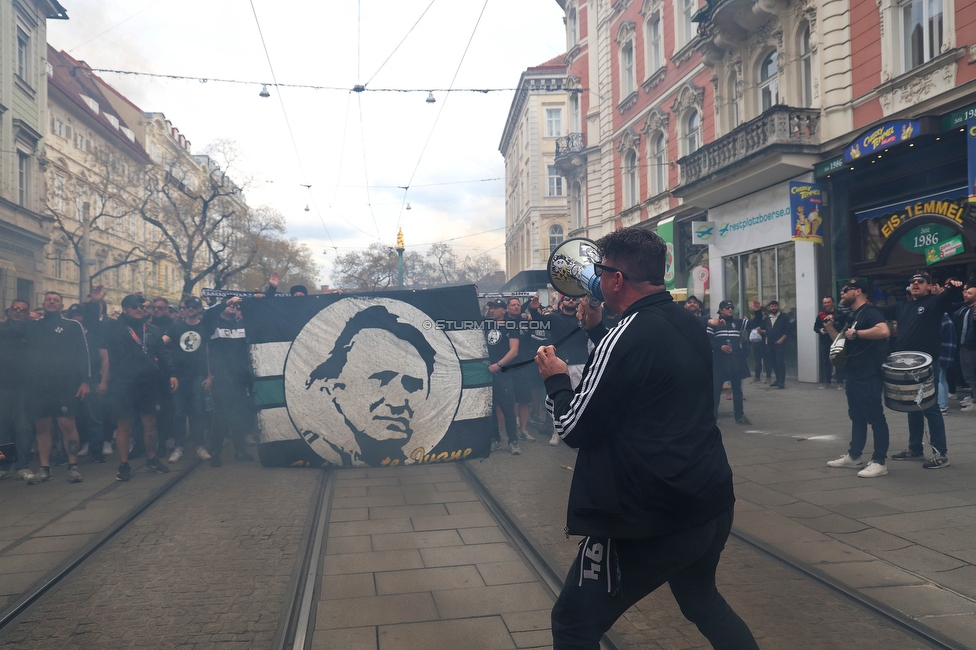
[[866, 332]]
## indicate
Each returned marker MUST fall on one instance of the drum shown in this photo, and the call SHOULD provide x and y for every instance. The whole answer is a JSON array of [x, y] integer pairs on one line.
[[909, 383]]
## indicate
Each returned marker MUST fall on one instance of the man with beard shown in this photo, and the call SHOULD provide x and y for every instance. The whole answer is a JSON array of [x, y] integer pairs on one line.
[[775, 328], [837, 316], [866, 348], [919, 324], [138, 366], [694, 305], [376, 383], [58, 379]]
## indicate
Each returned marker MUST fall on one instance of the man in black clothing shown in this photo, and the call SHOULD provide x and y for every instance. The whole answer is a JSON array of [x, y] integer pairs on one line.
[[185, 342], [138, 365], [58, 379], [728, 359], [503, 347], [919, 328], [90, 416], [572, 351], [652, 488], [757, 343], [229, 378], [866, 348], [775, 328], [14, 425], [523, 379], [837, 316]]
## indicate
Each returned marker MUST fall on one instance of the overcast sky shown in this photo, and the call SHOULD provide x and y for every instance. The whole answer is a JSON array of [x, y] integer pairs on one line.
[[354, 149]]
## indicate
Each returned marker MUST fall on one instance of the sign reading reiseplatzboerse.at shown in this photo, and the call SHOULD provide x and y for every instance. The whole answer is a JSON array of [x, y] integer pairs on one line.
[[380, 379]]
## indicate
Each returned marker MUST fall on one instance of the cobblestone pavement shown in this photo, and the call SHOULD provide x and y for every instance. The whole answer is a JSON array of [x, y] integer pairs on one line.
[[206, 567], [784, 608]]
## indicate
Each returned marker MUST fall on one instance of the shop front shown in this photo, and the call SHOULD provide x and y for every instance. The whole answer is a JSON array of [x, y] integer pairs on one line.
[[21, 259], [759, 253], [903, 207]]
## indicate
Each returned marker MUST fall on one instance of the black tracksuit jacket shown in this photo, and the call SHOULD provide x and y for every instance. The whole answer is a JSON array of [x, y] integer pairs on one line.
[[57, 352], [651, 460]]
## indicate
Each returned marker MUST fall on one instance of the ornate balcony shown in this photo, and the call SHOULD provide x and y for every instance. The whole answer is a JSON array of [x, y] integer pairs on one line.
[[570, 154], [766, 146]]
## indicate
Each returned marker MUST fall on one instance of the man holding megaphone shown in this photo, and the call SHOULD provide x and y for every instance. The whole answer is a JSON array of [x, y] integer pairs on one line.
[[652, 488]]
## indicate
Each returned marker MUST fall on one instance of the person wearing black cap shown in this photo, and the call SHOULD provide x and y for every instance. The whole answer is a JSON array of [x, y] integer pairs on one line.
[[919, 328], [728, 357], [866, 346], [185, 342], [138, 366], [776, 327]]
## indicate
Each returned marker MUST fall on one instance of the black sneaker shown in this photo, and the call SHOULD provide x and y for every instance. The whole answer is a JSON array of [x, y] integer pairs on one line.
[[156, 465], [908, 454], [125, 472], [243, 455], [215, 461], [743, 420], [936, 462], [97, 458]]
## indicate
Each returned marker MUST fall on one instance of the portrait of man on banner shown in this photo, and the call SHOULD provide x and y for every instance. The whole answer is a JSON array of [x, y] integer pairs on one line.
[[806, 202], [370, 383]]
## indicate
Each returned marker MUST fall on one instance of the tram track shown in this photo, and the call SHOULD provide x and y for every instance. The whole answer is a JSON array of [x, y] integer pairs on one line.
[[77, 558]]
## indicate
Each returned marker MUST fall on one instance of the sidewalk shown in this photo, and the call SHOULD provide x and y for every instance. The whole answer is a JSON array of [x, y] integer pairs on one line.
[[906, 540]]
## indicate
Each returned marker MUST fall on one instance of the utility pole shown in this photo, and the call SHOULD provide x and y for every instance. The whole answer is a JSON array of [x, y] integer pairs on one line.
[[399, 250]]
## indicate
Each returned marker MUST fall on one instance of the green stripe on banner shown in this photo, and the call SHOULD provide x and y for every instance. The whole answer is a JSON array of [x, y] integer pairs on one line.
[[269, 392], [475, 373]]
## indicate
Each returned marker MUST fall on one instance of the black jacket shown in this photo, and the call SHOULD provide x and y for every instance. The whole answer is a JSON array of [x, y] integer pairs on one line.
[[57, 352], [13, 355], [135, 351], [920, 322], [777, 331], [226, 345], [841, 316], [651, 459], [727, 364]]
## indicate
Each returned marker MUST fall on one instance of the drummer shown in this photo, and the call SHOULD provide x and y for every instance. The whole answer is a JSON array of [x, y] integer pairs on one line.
[[919, 329], [866, 332]]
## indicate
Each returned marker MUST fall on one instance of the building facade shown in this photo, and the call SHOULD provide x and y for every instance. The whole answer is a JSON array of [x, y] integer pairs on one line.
[[536, 206], [23, 107]]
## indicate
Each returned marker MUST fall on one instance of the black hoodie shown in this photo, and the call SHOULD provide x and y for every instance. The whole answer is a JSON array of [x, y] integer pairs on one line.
[[135, 350], [57, 351]]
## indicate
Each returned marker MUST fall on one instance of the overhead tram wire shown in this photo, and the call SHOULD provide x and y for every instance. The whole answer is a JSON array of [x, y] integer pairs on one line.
[[284, 113], [402, 41], [276, 84], [118, 24], [439, 113]]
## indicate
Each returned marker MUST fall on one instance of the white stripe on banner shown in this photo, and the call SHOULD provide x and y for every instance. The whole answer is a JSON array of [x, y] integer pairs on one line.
[[268, 359], [475, 403], [275, 425], [469, 344]]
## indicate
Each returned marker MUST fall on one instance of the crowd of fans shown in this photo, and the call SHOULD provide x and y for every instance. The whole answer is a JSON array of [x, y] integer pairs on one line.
[[152, 379]]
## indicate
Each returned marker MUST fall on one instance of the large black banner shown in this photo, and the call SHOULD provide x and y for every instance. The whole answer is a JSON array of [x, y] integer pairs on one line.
[[377, 379]]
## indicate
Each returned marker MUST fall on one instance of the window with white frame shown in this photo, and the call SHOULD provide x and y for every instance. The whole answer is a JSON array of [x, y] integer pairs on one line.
[[578, 204], [58, 202], [686, 28], [554, 122], [556, 236], [655, 44], [806, 68], [631, 180], [555, 182], [574, 113], [23, 178], [733, 100], [627, 84], [572, 27], [23, 54], [659, 164], [692, 132], [769, 81], [921, 31]]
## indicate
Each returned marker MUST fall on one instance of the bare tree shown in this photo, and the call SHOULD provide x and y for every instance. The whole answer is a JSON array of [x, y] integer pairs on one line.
[[375, 269], [193, 206], [291, 259], [247, 241], [96, 208]]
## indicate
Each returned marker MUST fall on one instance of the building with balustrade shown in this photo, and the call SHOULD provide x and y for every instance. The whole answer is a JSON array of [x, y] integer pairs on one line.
[[536, 205], [746, 102]]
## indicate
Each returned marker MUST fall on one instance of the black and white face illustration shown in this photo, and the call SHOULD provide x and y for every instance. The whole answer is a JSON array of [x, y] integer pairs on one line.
[[369, 381]]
